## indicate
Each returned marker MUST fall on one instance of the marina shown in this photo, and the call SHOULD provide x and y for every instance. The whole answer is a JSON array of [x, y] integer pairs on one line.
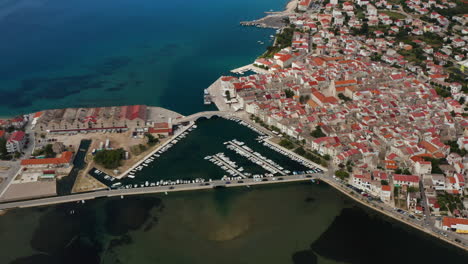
[[292, 156], [241, 149], [239, 163], [227, 165], [150, 158]]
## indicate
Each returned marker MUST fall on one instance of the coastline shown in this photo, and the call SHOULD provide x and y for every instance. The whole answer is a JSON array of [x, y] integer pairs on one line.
[[428, 232], [273, 20], [290, 7]]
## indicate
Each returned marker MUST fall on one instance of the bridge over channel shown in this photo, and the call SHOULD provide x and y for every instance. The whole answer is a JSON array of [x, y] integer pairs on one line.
[[205, 114]]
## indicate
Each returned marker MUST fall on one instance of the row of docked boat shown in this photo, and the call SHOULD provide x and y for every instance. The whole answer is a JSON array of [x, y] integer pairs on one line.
[[269, 165], [243, 123], [226, 164], [158, 183], [103, 175], [291, 156], [152, 158]]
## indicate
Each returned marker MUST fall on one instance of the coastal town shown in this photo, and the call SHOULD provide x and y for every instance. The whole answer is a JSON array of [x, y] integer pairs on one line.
[[376, 91], [368, 96]]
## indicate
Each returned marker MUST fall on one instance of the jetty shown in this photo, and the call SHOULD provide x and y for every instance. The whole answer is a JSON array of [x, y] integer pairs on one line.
[[273, 20], [250, 67]]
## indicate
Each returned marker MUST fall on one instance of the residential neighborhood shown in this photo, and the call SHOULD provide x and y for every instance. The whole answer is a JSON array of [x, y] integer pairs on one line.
[[376, 90]]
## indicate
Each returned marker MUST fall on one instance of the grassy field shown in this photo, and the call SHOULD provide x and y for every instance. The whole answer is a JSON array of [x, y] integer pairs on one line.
[[393, 15]]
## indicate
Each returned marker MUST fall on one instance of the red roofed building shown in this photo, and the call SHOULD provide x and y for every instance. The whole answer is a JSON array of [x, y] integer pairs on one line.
[[284, 60], [422, 167], [134, 112], [2, 133], [64, 160], [16, 142], [345, 83], [304, 5], [459, 225], [386, 193], [161, 128], [409, 180]]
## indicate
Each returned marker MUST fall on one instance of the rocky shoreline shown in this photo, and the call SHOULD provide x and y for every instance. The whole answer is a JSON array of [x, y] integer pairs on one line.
[[273, 20], [270, 21]]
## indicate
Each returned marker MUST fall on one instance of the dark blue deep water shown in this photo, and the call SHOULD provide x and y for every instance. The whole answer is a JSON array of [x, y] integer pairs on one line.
[[57, 53]]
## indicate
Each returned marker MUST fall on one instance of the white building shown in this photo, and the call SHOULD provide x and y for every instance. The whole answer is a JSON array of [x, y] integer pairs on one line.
[[16, 142]]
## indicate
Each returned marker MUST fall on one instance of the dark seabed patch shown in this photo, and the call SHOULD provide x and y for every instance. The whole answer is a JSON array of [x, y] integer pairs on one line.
[[67, 227], [352, 235], [168, 50], [36, 259], [118, 87], [304, 257], [121, 241], [61, 87], [129, 214], [110, 65], [65, 237]]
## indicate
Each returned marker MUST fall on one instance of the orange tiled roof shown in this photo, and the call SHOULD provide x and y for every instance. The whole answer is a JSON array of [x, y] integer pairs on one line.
[[64, 158]]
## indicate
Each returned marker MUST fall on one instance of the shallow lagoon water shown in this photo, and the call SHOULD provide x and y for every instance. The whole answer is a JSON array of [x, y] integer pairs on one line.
[[284, 223]]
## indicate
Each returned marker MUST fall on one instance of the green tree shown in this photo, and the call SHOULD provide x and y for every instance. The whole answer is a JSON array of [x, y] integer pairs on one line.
[[228, 95], [289, 93], [344, 97], [341, 174], [151, 139], [48, 151], [110, 159], [304, 98], [383, 182], [462, 100], [317, 133], [300, 151], [286, 143], [3, 148]]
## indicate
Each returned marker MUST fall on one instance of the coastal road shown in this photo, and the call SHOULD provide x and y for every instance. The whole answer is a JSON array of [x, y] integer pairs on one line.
[[449, 237]]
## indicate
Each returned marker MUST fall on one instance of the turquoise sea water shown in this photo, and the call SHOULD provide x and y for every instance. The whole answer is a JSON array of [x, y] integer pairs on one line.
[[112, 52]]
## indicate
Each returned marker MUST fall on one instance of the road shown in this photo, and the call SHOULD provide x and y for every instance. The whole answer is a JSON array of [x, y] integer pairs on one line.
[[156, 189], [422, 224], [14, 165]]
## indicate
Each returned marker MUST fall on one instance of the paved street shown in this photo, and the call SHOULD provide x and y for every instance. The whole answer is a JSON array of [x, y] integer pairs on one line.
[[14, 165]]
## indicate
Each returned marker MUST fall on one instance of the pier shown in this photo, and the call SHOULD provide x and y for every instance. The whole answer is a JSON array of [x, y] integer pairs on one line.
[[250, 67], [235, 170], [163, 145], [249, 154]]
